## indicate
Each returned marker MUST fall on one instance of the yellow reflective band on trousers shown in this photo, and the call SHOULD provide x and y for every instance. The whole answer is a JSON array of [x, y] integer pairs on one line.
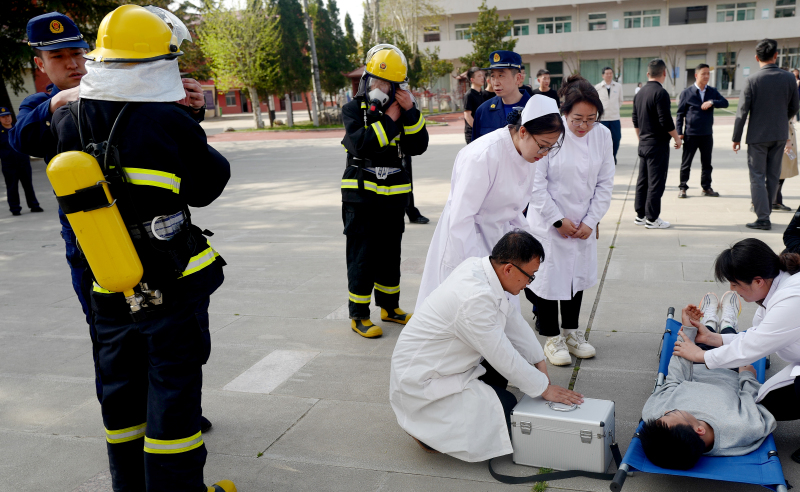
[[360, 299], [200, 261], [148, 177], [125, 435], [410, 130], [158, 446], [387, 290], [383, 140], [96, 287], [373, 187]]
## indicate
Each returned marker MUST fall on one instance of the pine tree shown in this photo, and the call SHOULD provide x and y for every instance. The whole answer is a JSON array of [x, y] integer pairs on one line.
[[366, 31], [488, 34], [350, 44], [294, 61], [329, 52]]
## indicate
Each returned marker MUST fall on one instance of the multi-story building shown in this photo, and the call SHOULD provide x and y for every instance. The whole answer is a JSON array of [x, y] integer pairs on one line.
[[565, 36]]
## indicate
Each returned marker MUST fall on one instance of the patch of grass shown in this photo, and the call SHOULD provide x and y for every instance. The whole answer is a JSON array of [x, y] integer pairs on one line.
[[611, 247], [613, 331], [259, 455], [626, 110], [683, 245], [541, 486], [297, 126]]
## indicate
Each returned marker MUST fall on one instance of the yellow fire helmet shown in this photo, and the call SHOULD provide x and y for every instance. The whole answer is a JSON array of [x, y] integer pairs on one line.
[[134, 34], [387, 62]]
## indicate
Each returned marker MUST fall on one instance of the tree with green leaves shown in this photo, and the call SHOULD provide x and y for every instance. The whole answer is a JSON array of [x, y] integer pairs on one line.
[[242, 46], [294, 61], [432, 68], [329, 38], [488, 34], [409, 18], [366, 31], [350, 44]]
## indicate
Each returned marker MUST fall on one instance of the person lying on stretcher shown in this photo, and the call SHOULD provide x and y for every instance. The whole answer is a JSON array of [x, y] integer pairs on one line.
[[703, 411]]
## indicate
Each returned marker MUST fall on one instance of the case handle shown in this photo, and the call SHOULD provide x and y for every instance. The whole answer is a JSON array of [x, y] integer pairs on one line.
[[561, 409]]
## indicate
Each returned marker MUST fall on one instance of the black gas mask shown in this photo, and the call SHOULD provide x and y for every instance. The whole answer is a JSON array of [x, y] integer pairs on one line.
[[379, 100]]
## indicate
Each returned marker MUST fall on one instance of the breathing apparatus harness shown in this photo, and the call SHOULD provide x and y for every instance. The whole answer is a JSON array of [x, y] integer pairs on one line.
[[147, 238]]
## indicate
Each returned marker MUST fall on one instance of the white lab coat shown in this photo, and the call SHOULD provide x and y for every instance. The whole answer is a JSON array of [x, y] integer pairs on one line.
[[434, 387], [490, 187], [776, 329], [575, 183]]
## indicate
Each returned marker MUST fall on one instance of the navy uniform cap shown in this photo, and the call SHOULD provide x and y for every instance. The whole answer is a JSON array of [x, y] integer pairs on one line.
[[504, 59], [4, 111], [53, 31]]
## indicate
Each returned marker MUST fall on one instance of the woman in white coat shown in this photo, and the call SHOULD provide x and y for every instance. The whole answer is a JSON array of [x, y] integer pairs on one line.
[[490, 188], [759, 275], [571, 193]]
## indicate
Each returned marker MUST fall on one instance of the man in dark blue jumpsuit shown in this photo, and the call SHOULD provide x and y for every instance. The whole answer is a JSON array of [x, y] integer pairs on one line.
[[16, 169], [505, 78], [150, 364]]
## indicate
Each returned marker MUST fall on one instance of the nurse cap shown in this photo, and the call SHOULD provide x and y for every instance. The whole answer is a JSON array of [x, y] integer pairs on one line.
[[537, 106]]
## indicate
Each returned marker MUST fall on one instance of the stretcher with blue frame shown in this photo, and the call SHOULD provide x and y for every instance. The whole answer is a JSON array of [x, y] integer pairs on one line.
[[761, 467]]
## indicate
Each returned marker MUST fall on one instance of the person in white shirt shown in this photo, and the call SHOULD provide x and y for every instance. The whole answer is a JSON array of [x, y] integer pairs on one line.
[[759, 275], [571, 193], [440, 388], [490, 188], [610, 92], [638, 88]]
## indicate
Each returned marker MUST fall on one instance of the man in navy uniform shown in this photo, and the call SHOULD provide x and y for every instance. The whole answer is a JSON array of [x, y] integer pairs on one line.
[[696, 107], [16, 169], [505, 80]]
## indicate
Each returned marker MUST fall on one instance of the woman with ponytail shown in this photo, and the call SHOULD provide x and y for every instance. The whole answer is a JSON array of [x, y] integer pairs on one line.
[[571, 193], [759, 275], [490, 188]]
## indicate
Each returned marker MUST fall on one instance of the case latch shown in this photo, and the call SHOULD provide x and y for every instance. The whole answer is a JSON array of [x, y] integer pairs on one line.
[[525, 427], [586, 436]]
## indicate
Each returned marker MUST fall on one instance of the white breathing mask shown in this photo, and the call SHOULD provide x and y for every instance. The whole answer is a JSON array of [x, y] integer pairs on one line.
[[379, 95]]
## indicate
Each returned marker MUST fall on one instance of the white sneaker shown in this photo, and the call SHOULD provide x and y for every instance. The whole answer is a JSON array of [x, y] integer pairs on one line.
[[639, 220], [579, 347], [556, 351], [731, 309], [710, 305], [657, 224]]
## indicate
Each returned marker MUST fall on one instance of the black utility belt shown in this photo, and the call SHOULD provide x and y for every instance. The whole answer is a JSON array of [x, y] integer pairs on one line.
[[380, 172]]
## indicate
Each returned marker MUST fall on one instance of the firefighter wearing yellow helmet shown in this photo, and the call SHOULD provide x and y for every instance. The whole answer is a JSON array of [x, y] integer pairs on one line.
[[382, 125], [132, 162]]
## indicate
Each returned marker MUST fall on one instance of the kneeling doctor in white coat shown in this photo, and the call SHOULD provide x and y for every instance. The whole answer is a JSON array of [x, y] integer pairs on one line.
[[439, 388], [490, 187]]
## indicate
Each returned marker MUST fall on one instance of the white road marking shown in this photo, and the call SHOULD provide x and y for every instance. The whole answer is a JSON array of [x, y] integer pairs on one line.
[[271, 371]]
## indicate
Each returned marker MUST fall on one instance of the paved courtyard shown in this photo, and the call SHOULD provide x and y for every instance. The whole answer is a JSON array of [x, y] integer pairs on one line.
[[298, 401]]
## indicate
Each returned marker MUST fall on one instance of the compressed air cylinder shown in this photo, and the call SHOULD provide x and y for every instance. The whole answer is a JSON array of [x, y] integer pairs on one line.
[[78, 182]]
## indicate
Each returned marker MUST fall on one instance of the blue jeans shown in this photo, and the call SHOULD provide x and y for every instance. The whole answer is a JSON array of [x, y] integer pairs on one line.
[[616, 134]]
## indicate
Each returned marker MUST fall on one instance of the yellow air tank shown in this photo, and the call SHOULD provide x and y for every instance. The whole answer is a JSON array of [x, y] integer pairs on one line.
[[101, 233]]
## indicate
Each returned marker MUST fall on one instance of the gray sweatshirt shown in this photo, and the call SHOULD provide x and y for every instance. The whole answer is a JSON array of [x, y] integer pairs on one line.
[[720, 397]]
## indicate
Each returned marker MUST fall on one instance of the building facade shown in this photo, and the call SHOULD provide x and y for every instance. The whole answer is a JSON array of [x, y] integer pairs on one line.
[[565, 36]]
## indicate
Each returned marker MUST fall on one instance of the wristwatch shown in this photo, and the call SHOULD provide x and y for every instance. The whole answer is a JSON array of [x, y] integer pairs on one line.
[[557, 224]]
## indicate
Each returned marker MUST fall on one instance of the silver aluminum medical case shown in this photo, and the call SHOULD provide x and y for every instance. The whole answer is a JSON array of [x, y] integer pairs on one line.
[[562, 437]]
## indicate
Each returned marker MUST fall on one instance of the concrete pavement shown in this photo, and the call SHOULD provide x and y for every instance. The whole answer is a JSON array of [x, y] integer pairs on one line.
[[325, 422]]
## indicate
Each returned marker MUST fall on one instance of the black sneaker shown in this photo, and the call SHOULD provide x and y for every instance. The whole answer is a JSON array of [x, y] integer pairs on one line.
[[420, 220], [37, 209], [205, 424], [781, 207], [764, 225], [16, 213]]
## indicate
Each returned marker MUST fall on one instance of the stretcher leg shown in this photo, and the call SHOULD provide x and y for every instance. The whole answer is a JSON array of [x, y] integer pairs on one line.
[[619, 478]]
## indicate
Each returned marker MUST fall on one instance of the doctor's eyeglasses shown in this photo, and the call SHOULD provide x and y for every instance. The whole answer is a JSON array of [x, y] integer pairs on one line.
[[530, 277]]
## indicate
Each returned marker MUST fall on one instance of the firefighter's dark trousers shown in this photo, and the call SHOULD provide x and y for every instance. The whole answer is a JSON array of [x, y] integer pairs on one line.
[[151, 377], [374, 234]]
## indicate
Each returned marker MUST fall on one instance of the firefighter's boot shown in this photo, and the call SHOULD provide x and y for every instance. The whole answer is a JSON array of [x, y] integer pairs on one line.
[[396, 316], [365, 328]]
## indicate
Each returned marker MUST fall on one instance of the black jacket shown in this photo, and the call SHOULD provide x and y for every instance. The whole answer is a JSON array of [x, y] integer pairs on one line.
[[8, 156], [791, 237], [651, 115], [379, 142], [770, 99], [184, 171], [698, 121]]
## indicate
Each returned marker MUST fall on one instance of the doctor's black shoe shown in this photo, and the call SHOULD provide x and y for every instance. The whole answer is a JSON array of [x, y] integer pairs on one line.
[[223, 486], [764, 225], [37, 209], [365, 328], [16, 213], [205, 424], [396, 316]]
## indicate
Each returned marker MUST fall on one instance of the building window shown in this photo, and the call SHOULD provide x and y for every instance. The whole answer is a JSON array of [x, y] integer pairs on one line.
[[556, 70], [592, 70], [550, 25], [724, 59], [521, 27], [789, 58], [230, 98], [597, 22], [642, 18], [729, 12], [462, 31], [688, 15], [297, 97], [634, 70], [726, 63], [431, 33], [785, 8]]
